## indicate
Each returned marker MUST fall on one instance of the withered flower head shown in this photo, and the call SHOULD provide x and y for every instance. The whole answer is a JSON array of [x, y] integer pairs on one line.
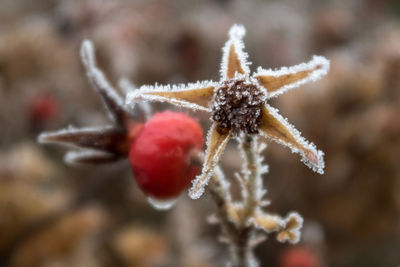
[[100, 144], [238, 104]]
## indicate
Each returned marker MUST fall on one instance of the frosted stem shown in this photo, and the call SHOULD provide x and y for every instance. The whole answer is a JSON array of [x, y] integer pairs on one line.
[[252, 171], [251, 200], [241, 233]]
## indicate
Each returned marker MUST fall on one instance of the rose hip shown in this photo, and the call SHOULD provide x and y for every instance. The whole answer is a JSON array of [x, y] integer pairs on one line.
[[163, 154]]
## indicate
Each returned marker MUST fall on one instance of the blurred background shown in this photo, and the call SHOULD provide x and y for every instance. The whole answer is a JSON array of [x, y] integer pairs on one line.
[[52, 214]]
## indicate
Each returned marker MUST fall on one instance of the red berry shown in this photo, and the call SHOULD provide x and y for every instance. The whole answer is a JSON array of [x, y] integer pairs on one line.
[[161, 154], [44, 108], [298, 257]]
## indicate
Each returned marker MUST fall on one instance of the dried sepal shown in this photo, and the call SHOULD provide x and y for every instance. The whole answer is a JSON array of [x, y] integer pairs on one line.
[[90, 157], [275, 127], [216, 143], [196, 96], [107, 139], [113, 102], [98, 144], [279, 81], [291, 229], [234, 59]]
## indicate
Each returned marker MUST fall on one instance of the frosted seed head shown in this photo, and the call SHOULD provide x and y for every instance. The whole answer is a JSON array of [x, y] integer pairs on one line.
[[238, 106]]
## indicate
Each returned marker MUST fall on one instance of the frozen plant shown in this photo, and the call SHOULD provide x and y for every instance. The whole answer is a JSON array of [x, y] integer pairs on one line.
[[239, 109], [238, 104]]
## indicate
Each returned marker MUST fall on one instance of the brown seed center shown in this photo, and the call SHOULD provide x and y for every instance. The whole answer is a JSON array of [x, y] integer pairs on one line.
[[238, 107]]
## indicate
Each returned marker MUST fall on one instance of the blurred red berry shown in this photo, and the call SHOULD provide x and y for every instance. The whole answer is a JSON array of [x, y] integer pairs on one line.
[[298, 257], [163, 152], [43, 108]]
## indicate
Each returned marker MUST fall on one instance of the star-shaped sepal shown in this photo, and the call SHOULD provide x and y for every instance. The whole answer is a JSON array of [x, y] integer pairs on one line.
[[238, 103]]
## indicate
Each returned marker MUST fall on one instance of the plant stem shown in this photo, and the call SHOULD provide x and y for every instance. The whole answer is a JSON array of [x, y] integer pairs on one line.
[[251, 199], [240, 233], [253, 194]]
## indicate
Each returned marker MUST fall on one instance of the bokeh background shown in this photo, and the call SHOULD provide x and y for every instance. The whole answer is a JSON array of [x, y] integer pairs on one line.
[[52, 214]]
